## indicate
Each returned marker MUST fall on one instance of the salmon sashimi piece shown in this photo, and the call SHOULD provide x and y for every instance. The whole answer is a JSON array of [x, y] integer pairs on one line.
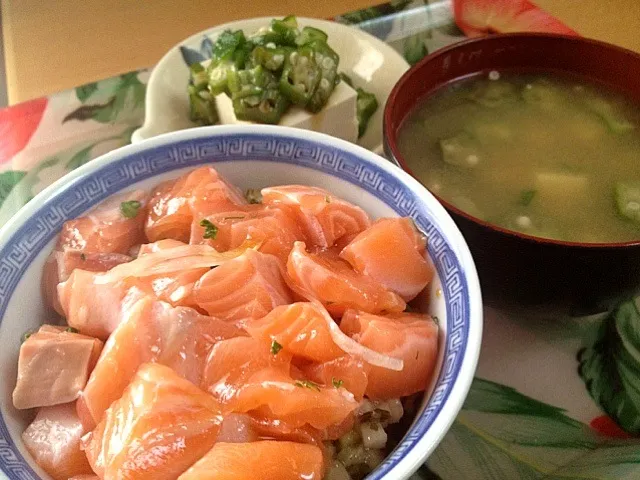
[[265, 460], [244, 427], [326, 218], [392, 252], [237, 428], [175, 287], [159, 427], [92, 302], [107, 229], [53, 440], [413, 337], [92, 306], [274, 228], [61, 264], [174, 204], [327, 278], [151, 331], [53, 367], [346, 372], [300, 329], [246, 377], [249, 286]]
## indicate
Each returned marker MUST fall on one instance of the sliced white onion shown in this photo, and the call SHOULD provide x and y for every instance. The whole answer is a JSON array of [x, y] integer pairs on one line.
[[373, 436], [171, 260], [350, 346], [337, 471]]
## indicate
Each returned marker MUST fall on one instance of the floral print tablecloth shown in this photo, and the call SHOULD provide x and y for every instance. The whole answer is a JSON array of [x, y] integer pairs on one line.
[[552, 399]]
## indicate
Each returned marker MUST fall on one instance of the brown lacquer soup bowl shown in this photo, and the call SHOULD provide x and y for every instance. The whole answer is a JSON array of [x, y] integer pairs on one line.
[[520, 271]]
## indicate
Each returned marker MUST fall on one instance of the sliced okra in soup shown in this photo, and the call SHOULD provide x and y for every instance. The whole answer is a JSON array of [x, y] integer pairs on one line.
[[612, 116], [487, 130], [494, 93], [627, 199], [543, 94], [461, 150]]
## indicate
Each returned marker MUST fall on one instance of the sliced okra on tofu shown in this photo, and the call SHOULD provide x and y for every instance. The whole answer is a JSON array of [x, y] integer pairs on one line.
[[300, 76], [461, 150], [310, 34], [627, 198], [327, 60], [201, 109], [269, 57], [199, 78], [228, 55], [366, 106], [256, 97]]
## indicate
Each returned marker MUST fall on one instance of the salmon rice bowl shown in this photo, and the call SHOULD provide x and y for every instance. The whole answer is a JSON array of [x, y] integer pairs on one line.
[[202, 325]]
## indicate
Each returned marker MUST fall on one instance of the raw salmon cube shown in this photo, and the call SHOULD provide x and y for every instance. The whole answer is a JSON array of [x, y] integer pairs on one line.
[[106, 229], [392, 252], [326, 277], [150, 331], [249, 286], [53, 440], [160, 426], [53, 367], [412, 337], [265, 460], [175, 204], [326, 219]]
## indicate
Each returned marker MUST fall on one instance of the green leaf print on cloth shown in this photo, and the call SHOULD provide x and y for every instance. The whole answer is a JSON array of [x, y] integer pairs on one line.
[[8, 180], [128, 96], [610, 366], [83, 92], [503, 434]]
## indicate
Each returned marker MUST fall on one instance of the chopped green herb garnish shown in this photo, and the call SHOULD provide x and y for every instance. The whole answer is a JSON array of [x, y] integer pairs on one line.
[[26, 335], [130, 209], [210, 230], [526, 197], [337, 383], [275, 347], [435, 319], [327, 199], [71, 330], [307, 384], [83, 257], [239, 217]]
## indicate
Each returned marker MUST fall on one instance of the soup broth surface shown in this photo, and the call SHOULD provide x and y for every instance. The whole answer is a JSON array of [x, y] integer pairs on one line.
[[545, 155]]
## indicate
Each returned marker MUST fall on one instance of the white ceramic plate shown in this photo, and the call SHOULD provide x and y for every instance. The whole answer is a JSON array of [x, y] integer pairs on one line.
[[371, 63]]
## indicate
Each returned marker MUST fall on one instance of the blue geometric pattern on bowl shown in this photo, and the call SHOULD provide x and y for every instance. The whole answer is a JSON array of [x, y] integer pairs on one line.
[[29, 240]]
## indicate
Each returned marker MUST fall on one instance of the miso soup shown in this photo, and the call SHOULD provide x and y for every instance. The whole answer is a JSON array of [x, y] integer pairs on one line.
[[548, 156]]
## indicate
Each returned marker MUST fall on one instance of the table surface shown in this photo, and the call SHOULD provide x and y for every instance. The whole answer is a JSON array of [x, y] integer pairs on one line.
[[80, 41]]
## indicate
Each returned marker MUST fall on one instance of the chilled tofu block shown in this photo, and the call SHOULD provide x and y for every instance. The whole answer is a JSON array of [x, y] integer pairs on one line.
[[53, 440], [53, 367], [337, 118]]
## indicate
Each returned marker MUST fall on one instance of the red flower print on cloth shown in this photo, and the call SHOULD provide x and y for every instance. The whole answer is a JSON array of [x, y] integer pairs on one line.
[[17, 125], [481, 17], [604, 425]]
